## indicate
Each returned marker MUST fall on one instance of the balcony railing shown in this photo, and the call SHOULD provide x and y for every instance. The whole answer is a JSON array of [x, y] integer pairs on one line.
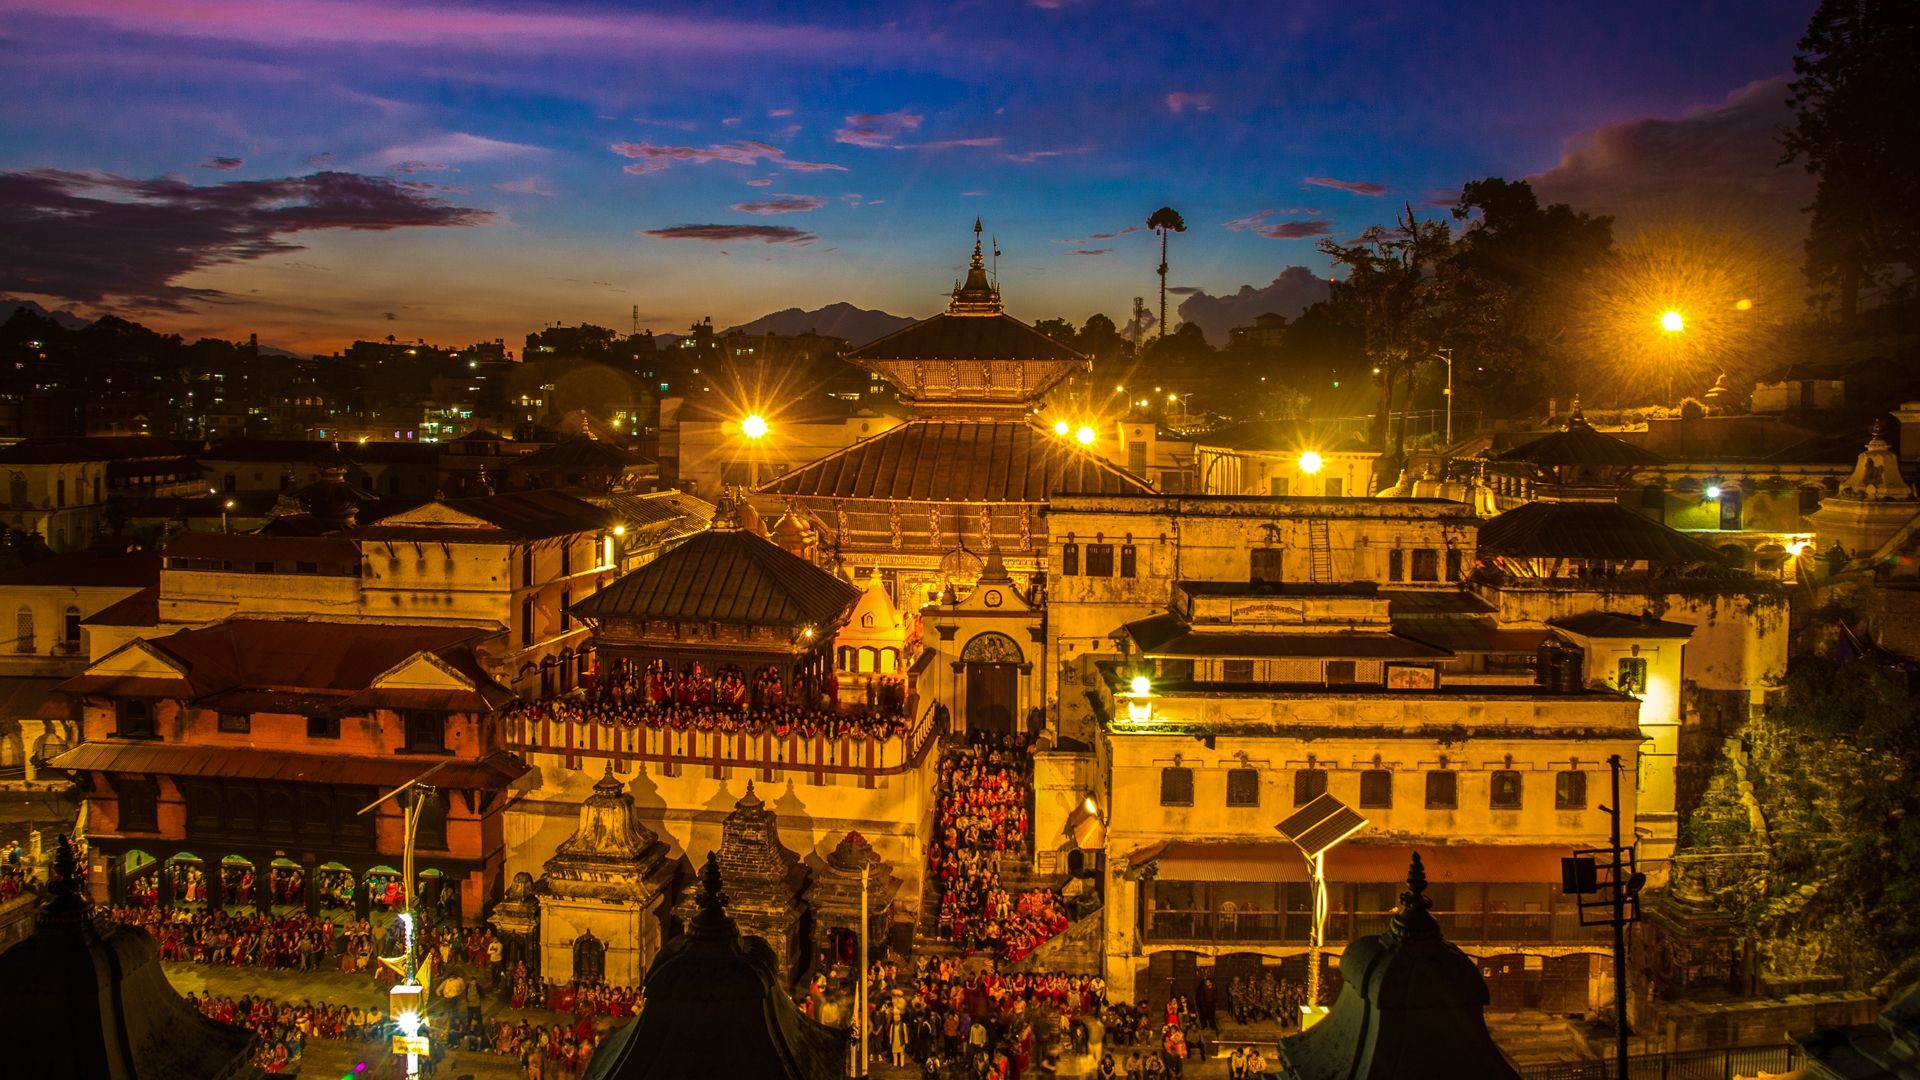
[[1170, 926], [867, 757]]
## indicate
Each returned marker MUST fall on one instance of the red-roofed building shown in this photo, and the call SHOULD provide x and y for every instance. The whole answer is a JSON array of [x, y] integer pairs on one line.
[[229, 764]]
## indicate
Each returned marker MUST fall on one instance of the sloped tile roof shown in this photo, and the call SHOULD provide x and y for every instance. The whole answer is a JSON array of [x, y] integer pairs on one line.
[[959, 461], [725, 575], [1588, 530], [1579, 444]]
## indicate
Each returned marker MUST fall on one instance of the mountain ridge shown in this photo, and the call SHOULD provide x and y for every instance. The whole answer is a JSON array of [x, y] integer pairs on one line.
[[857, 325]]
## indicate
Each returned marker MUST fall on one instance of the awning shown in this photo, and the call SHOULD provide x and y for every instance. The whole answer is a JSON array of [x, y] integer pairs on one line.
[[1355, 861], [494, 771]]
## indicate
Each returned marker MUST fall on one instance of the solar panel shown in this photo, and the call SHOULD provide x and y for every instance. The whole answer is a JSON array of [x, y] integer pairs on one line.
[[1321, 824]]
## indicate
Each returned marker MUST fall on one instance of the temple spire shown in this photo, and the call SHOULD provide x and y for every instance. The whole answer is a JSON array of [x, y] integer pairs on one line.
[[976, 295]]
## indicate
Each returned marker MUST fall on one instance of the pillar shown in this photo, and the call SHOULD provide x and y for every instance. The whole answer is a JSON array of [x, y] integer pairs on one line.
[[310, 869], [164, 870], [216, 888], [263, 888], [362, 902]]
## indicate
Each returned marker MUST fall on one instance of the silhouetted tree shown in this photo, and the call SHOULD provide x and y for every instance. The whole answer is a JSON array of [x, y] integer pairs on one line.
[[1163, 221]]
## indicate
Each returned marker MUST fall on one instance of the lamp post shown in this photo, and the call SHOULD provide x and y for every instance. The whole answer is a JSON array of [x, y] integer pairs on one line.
[[866, 872], [1315, 828], [1446, 356], [408, 1000], [1672, 323]]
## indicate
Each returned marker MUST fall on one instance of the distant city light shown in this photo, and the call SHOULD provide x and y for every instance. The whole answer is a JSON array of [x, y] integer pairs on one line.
[[754, 427], [1672, 322], [1310, 463], [1061, 427], [1085, 435]]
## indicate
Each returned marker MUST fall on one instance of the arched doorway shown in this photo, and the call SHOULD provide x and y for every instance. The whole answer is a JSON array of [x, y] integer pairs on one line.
[[589, 959], [140, 877], [992, 662], [336, 887], [187, 878]]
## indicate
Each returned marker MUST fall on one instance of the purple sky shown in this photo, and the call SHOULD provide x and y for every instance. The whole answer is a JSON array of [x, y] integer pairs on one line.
[[317, 170]]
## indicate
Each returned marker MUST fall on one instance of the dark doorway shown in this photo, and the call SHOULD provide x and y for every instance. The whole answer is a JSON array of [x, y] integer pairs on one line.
[[992, 693], [589, 959]]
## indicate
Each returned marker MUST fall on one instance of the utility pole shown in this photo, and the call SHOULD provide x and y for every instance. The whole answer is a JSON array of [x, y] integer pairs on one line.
[[1446, 355], [408, 1001], [866, 870], [1616, 893]]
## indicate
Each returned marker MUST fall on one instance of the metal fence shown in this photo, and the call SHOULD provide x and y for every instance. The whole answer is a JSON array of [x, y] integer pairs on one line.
[[1731, 1063]]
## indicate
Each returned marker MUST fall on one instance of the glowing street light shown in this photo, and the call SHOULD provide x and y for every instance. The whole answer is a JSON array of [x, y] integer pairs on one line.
[[1311, 463], [1672, 322], [1085, 435], [1062, 428], [754, 427], [1141, 685]]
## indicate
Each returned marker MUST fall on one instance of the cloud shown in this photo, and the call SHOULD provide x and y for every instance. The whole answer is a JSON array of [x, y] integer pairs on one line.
[[877, 130], [1246, 223], [782, 204], [950, 144], [1719, 161], [777, 114], [1292, 292], [1184, 290], [1090, 251], [408, 168], [764, 181], [974, 194], [223, 164], [1181, 101], [730, 121], [1029, 157], [317, 160], [95, 236], [771, 234], [531, 185], [1128, 231], [455, 146], [653, 157], [1295, 230], [1357, 187]]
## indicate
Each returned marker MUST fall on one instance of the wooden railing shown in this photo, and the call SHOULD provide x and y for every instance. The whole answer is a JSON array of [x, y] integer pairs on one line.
[[865, 756]]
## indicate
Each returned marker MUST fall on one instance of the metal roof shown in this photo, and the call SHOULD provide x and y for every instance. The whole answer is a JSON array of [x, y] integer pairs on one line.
[[1579, 444], [725, 575], [1588, 530], [966, 337], [1615, 624], [1167, 636], [959, 461], [523, 515]]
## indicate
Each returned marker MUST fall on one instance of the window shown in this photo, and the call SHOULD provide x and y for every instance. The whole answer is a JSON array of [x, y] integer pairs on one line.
[[323, 727], [1506, 790], [1730, 510], [1570, 790], [1243, 787], [1263, 564], [1137, 458], [60, 492], [1129, 560], [1376, 788], [431, 832], [23, 629], [1308, 785], [526, 622], [1336, 487], [1443, 790], [236, 723], [1632, 675], [133, 718], [1277, 486], [1340, 672], [426, 732], [1176, 786], [17, 490], [1453, 564], [566, 610], [1396, 565], [139, 803], [1654, 497], [1426, 564], [1236, 671], [566, 558], [1069, 560], [526, 565], [72, 626], [1810, 499], [1099, 560]]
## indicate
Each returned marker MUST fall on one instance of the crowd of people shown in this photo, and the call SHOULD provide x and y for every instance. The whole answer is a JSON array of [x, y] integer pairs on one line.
[[1265, 998], [779, 720], [982, 816], [284, 1027], [251, 939]]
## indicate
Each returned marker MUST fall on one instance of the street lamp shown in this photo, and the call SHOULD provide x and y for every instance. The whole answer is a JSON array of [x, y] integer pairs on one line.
[[408, 1001], [224, 509], [1311, 463], [1671, 323], [754, 427], [1315, 828], [1062, 428], [1446, 356], [1085, 435]]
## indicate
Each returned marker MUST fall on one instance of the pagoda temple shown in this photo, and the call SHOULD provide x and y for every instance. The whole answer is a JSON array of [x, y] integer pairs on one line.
[[835, 897], [83, 1001], [923, 501], [602, 914], [767, 881]]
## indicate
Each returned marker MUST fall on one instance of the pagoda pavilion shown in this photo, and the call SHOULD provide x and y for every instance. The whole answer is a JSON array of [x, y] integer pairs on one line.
[[923, 501]]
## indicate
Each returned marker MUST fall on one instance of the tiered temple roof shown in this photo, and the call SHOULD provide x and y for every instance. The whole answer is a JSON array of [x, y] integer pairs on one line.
[[612, 856], [766, 878], [836, 890]]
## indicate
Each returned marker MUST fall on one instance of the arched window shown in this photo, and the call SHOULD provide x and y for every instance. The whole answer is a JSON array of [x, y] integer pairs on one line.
[[526, 622], [71, 634], [889, 661], [23, 630], [17, 490], [589, 959]]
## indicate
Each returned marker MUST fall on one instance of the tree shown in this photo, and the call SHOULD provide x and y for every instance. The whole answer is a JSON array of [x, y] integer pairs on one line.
[[1101, 339], [1059, 330], [1516, 289], [1163, 221], [1852, 131], [1389, 292]]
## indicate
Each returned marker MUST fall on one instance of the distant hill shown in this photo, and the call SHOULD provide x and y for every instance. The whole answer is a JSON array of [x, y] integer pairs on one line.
[[857, 325], [66, 319]]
